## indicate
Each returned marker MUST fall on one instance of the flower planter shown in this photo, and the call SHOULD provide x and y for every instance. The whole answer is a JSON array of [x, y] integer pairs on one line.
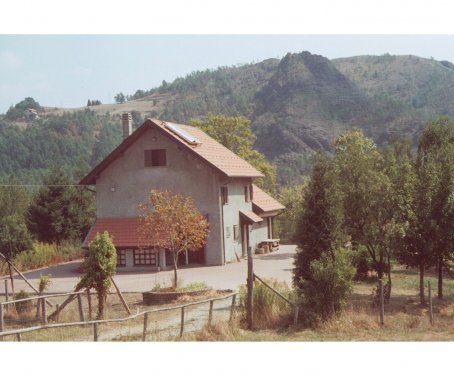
[[164, 297]]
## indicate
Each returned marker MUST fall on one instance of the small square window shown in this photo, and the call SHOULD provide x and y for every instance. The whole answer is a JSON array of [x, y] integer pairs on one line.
[[236, 232], [246, 193], [121, 257], [156, 157]]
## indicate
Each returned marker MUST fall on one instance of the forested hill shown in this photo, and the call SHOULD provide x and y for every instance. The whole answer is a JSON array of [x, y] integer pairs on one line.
[[297, 104]]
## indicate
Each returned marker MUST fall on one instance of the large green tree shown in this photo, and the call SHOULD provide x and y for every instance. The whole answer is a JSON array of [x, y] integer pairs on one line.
[[235, 133], [59, 211], [319, 224], [431, 231]]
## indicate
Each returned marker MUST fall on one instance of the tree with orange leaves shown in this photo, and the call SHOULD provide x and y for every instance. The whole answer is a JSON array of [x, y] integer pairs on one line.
[[172, 222]]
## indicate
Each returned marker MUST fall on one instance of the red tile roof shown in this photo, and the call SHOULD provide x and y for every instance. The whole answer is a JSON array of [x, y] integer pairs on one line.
[[263, 202], [208, 150], [124, 232]]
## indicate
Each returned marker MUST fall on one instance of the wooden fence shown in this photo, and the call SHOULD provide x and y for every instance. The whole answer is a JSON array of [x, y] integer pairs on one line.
[[96, 323]]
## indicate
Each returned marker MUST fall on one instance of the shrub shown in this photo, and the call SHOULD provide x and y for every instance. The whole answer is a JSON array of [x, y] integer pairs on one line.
[[327, 291], [23, 307], [270, 310], [193, 286]]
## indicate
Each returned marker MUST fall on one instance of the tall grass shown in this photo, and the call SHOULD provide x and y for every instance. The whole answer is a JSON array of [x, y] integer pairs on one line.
[[43, 254], [270, 310]]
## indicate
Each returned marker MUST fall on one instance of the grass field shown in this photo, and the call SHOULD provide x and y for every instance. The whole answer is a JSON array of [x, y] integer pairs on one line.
[[405, 319]]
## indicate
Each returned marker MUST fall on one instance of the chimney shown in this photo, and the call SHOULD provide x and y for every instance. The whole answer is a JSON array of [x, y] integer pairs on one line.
[[126, 119]]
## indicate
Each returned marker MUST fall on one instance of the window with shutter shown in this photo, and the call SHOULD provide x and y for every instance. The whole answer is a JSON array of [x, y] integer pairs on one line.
[[155, 158]]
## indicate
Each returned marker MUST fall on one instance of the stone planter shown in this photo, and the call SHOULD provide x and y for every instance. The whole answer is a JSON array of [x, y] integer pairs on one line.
[[152, 298]]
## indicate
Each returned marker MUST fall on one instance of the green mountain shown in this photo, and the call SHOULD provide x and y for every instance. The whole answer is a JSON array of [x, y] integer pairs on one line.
[[297, 105]]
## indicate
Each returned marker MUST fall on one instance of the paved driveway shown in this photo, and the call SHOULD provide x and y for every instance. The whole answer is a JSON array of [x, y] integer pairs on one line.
[[277, 265]]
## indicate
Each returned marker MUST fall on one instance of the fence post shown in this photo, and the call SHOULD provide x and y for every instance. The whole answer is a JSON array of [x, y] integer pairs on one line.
[[58, 314], [182, 322], [19, 337], [90, 312], [431, 315], [210, 313], [382, 302], [6, 294], [95, 332], [2, 323], [232, 308], [81, 310], [250, 289], [44, 313], [145, 327]]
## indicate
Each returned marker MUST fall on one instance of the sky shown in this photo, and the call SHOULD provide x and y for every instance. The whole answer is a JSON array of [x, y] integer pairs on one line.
[[67, 70]]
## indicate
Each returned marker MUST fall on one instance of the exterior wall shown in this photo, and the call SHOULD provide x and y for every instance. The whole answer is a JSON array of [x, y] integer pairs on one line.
[[127, 182], [258, 234], [231, 211]]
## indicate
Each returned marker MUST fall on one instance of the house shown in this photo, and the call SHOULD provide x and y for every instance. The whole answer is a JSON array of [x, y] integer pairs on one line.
[[182, 159]]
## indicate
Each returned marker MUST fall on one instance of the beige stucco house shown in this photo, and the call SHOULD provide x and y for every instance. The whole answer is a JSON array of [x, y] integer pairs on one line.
[[183, 159]]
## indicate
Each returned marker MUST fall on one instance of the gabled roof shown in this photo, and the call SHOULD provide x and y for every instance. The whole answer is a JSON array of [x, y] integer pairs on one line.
[[207, 149], [264, 203], [124, 232]]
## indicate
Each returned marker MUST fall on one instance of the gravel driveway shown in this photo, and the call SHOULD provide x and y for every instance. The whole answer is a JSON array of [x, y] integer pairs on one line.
[[277, 265]]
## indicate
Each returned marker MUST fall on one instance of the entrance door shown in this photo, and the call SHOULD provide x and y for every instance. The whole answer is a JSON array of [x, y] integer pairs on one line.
[[244, 238]]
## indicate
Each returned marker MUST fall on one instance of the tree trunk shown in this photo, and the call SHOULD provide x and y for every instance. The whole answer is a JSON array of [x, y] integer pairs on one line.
[[102, 295], [175, 268], [389, 274], [11, 276], [421, 284], [440, 277]]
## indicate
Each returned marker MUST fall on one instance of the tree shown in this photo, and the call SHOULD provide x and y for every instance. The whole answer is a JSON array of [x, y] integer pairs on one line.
[[367, 191], [59, 211], [99, 266], [431, 231], [14, 236], [319, 226], [235, 133], [120, 98], [172, 222]]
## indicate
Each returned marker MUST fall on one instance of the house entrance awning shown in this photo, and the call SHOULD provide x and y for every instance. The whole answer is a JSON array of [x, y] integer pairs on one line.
[[250, 217], [124, 232]]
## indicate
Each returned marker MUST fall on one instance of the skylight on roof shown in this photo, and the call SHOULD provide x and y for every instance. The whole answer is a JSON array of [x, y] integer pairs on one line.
[[182, 133]]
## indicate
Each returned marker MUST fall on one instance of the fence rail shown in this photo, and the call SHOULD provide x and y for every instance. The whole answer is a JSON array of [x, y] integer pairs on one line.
[[96, 323]]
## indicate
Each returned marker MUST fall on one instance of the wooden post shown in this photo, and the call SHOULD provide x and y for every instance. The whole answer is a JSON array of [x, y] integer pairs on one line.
[[6, 292], [210, 313], [95, 332], [19, 337], [90, 310], [232, 308], [121, 296], [58, 314], [145, 327], [43, 307], [382, 302], [182, 322], [431, 315], [250, 289], [2, 323], [81, 309], [10, 264]]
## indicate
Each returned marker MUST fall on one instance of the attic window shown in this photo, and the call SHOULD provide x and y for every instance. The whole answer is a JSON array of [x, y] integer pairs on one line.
[[154, 158]]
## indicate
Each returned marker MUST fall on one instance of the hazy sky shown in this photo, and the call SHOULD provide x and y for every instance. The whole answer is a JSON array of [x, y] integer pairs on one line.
[[67, 70]]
